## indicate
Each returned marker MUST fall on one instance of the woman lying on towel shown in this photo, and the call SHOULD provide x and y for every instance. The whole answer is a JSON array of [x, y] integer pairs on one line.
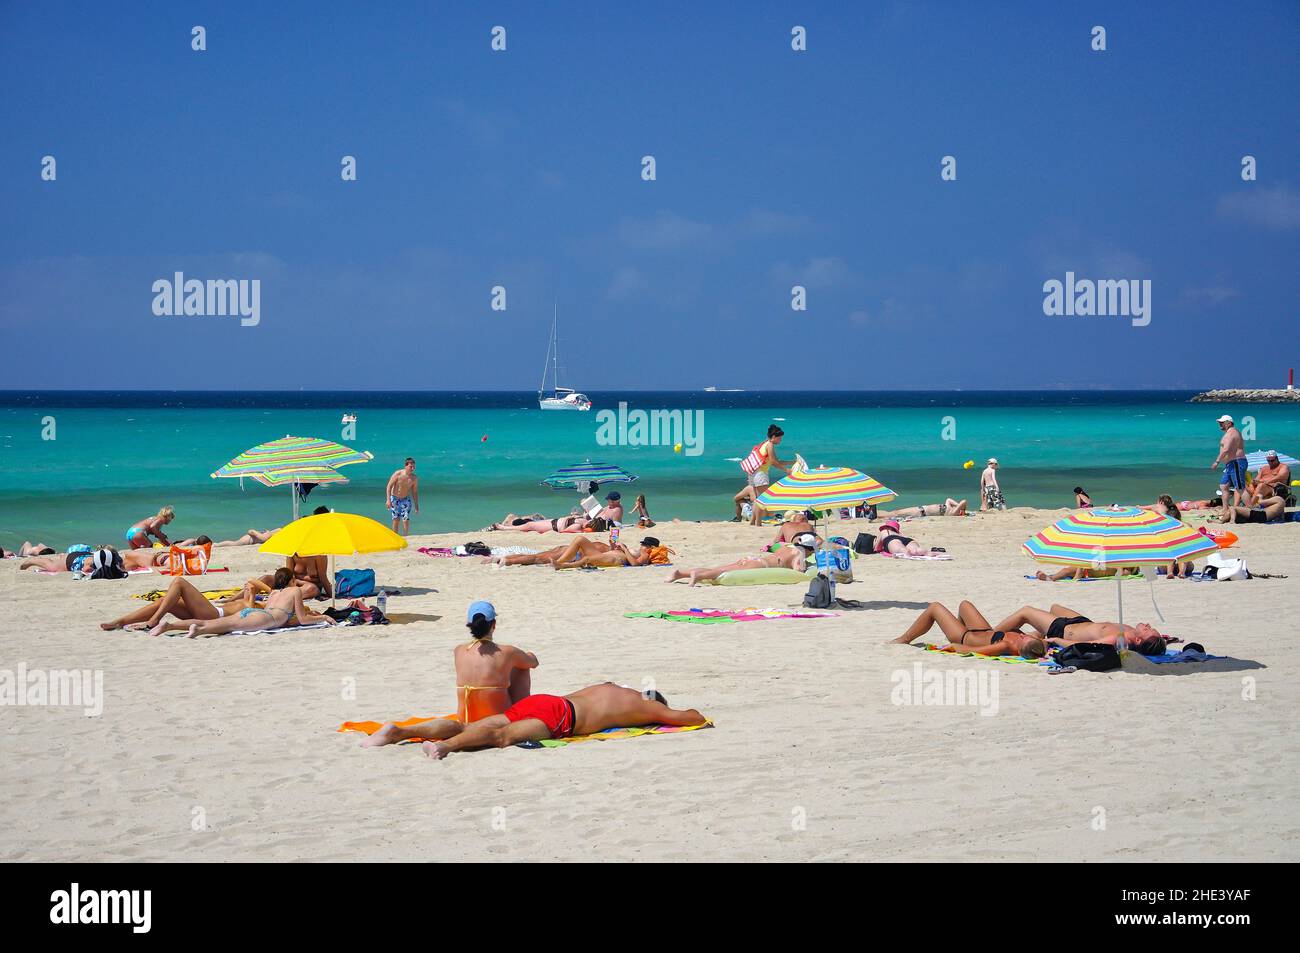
[[948, 507], [67, 562], [184, 600], [27, 549], [284, 608], [1271, 510], [969, 631], [1079, 572], [891, 541], [490, 677], [582, 554], [795, 556], [575, 523]]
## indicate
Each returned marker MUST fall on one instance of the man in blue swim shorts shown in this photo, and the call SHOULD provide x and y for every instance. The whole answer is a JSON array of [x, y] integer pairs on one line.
[[1232, 455], [402, 495]]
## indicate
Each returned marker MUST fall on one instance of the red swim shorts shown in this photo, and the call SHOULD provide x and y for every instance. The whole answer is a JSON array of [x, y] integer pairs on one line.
[[554, 712]]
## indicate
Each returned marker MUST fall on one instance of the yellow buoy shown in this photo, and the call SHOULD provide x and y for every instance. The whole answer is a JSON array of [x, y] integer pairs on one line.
[[968, 464], [677, 448]]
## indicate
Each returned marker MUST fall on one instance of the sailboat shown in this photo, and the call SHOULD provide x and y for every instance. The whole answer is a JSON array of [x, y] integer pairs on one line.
[[560, 398]]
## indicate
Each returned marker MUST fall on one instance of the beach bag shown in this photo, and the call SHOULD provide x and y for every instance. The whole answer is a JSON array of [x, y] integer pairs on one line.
[[754, 461], [865, 544], [1225, 568], [107, 564], [1088, 656], [818, 595], [661, 555], [354, 583], [835, 562], [185, 561]]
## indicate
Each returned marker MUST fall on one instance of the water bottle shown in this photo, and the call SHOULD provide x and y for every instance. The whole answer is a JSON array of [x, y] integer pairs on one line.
[[383, 601]]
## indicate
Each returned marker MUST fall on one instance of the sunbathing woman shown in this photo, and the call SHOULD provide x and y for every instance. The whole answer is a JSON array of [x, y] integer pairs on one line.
[[969, 631], [561, 524], [1079, 572], [1062, 626], [894, 544], [183, 600], [794, 556], [284, 607], [310, 574], [948, 507], [796, 524], [250, 538], [1270, 511], [70, 562], [27, 549], [489, 679], [585, 544], [614, 556], [137, 535]]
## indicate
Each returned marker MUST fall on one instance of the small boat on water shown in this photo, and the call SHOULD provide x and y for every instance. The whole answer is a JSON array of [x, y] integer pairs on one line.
[[724, 390], [559, 398]]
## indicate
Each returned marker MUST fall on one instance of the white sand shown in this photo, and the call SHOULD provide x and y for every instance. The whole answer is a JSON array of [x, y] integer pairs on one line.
[[810, 760]]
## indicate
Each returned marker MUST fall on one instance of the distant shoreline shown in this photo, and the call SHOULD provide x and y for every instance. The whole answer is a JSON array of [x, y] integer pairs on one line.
[[1248, 396]]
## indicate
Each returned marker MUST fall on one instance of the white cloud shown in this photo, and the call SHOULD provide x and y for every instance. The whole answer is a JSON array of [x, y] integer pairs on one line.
[[1277, 206]]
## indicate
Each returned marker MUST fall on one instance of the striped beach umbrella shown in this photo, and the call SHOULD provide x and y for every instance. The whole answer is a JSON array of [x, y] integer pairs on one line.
[[824, 488], [1117, 537], [276, 460], [581, 475], [283, 476]]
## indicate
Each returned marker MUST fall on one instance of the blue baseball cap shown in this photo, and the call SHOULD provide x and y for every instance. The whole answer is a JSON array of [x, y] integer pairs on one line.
[[483, 608]]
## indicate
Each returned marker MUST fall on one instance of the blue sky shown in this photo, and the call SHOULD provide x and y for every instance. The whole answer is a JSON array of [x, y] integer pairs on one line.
[[774, 168]]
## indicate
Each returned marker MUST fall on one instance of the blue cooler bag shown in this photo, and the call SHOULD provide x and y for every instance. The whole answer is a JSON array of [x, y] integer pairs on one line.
[[354, 583]]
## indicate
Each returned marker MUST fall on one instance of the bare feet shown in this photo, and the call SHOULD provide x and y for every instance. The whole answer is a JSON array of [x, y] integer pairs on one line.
[[194, 631], [158, 629], [384, 736], [1040, 576], [109, 626], [434, 750], [137, 627]]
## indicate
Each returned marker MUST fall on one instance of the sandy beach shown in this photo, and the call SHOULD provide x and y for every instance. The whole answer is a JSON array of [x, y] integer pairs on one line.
[[226, 748]]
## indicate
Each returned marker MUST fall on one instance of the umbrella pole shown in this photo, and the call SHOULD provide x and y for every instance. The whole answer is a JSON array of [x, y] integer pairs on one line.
[[1119, 590], [333, 591]]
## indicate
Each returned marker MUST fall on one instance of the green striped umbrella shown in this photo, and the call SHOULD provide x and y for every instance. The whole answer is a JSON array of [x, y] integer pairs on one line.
[[582, 474], [269, 463]]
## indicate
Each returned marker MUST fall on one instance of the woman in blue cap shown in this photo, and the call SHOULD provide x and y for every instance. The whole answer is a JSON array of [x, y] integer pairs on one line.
[[489, 679]]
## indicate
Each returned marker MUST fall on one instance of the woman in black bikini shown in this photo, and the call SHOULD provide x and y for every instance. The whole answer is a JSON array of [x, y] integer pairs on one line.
[[895, 544], [970, 630]]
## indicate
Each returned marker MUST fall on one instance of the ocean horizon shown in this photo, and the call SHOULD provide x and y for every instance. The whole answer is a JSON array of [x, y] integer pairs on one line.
[[117, 456]]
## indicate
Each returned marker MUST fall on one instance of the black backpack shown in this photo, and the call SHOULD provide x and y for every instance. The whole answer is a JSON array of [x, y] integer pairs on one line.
[[818, 595], [1089, 656], [108, 564], [865, 544]]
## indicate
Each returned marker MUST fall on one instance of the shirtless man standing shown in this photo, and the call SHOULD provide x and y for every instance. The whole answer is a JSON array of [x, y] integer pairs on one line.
[[401, 494], [1232, 455], [585, 712]]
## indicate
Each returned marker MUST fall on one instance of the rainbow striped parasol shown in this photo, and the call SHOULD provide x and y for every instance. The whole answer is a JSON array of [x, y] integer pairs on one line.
[[1118, 536], [824, 488], [292, 451], [292, 461]]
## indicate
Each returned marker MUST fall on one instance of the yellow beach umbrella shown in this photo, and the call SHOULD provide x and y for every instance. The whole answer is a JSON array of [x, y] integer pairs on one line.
[[333, 534]]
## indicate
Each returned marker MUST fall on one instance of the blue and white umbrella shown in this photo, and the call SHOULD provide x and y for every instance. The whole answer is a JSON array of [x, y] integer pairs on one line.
[[1256, 460]]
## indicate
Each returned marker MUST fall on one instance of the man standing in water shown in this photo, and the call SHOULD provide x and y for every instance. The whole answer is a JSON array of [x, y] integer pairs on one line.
[[1232, 454], [401, 494]]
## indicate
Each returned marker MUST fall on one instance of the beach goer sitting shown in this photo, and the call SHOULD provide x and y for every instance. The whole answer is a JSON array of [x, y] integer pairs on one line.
[[650, 551], [1273, 479], [310, 574], [284, 608], [948, 507], [972, 632], [795, 556], [1165, 506], [584, 712], [796, 523], [990, 492], [642, 514], [1271, 510], [184, 600], [137, 535], [27, 549], [891, 541], [1080, 572], [490, 677], [1062, 626], [1081, 499], [613, 509]]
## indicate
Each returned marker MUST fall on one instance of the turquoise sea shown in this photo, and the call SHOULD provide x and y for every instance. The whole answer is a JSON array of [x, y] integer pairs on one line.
[[117, 457]]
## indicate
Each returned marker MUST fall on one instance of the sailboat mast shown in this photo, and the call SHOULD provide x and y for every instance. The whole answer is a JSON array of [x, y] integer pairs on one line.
[[555, 341], [541, 388]]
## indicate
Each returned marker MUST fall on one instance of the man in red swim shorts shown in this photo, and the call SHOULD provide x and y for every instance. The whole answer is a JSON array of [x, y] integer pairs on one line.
[[588, 710]]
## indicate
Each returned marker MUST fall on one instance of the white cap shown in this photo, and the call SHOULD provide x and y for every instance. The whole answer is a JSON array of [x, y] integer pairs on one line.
[[1225, 419], [992, 460], [806, 540], [1271, 453]]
